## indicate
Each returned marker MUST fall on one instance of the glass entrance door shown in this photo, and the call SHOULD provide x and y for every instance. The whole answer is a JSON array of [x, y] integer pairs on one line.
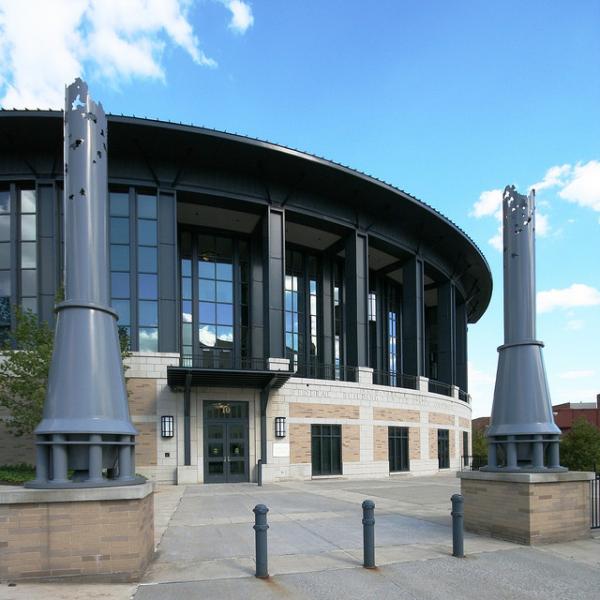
[[225, 442]]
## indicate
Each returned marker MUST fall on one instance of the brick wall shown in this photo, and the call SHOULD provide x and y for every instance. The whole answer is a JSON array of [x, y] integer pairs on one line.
[[350, 443], [464, 423], [145, 448], [396, 414], [441, 418], [323, 411], [299, 434], [142, 396], [414, 443], [380, 442], [81, 540], [433, 444]]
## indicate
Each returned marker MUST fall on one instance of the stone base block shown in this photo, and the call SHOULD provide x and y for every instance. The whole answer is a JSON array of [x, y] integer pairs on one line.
[[187, 474], [93, 534], [527, 508]]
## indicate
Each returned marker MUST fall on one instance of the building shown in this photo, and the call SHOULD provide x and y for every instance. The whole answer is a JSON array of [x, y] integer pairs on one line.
[[279, 307], [566, 414]]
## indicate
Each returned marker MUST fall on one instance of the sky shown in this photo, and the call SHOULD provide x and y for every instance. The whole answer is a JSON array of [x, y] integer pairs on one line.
[[449, 101]]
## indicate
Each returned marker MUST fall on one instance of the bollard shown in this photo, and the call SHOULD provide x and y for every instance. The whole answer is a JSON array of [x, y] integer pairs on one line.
[[259, 473], [368, 521], [260, 527], [458, 515]]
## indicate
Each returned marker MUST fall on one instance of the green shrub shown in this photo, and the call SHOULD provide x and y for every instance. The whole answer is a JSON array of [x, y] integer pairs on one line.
[[16, 474]]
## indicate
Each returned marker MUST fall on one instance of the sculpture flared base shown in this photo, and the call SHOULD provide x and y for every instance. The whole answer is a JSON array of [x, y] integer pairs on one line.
[[527, 508], [489, 469]]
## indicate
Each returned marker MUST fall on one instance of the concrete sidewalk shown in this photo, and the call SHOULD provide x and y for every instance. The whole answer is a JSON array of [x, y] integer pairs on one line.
[[206, 548]]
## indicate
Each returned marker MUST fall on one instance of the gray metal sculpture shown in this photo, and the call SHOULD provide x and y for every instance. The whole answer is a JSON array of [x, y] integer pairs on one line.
[[86, 426], [522, 435]]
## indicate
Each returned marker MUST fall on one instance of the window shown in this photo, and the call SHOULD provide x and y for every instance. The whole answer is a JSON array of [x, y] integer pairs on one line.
[[293, 306], [134, 266], [326, 449], [392, 347], [398, 448], [185, 246], [443, 449], [338, 319], [5, 263], [313, 312]]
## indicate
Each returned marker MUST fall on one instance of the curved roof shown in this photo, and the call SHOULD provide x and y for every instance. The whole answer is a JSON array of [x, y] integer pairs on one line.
[[176, 142]]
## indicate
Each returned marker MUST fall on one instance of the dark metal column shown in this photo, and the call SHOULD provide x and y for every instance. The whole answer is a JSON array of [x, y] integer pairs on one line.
[[461, 346], [325, 309], [446, 327], [357, 292], [413, 325], [257, 333], [47, 232], [168, 339], [273, 281]]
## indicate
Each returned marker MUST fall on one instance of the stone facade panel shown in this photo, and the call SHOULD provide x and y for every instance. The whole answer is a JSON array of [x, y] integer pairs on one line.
[[380, 442], [145, 448], [300, 443], [464, 423], [441, 418], [433, 443], [395, 414], [142, 396], [350, 443], [414, 443], [323, 411]]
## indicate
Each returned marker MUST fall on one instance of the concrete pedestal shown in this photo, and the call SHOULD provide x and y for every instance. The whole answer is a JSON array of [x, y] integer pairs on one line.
[[94, 534], [527, 508]]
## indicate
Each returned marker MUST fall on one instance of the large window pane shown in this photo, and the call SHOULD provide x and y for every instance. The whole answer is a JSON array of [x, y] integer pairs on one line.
[[206, 270], [148, 313], [119, 258], [119, 285], [119, 230], [224, 271], [148, 287], [146, 206], [119, 204], [207, 312], [207, 335], [28, 201], [224, 314], [122, 308], [148, 339], [4, 201], [206, 290], [147, 232], [29, 282], [147, 259], [5, 255], [186, 288], [28, 255], [5, 228], [29, 304], [224, 291], [5, 283]]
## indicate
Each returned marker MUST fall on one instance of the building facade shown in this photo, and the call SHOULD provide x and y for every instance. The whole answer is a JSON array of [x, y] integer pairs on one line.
[[285, 313]]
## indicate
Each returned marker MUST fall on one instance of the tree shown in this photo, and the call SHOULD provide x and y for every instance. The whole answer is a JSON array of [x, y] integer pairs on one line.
[[480, 444], [580, 447], [24, 370]]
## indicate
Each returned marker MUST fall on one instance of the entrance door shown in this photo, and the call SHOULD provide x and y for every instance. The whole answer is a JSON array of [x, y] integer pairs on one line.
[[225, 442]]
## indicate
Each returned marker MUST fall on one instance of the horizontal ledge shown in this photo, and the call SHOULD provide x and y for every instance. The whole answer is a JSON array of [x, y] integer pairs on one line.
[[18, 495], [527, 477]]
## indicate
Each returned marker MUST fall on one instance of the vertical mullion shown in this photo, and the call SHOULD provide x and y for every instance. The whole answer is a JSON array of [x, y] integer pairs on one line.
[[237, 306], [133, 271]]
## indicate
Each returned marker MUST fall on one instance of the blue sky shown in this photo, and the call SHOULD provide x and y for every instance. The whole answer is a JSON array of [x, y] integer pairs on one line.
[[446, 100]]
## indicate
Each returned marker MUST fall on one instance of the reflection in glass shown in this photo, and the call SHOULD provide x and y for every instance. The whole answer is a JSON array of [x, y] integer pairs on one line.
[[146, 206], [215, 468], [122, 308], [4, 201], [148, 339], [5, 256], [148, 286], [147, 232], [28, 255], [29, 283], [29, 304], [207, 335], [119, 285], [5, 228], [148, 313], [119, 230], [206, 290], [119, 204], [119, 258], [147, 259], [28, 201], [28, 230]]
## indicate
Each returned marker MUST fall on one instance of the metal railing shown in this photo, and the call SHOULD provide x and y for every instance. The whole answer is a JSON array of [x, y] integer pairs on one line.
[[222, 359], [395, 379], [323, 371], [439, 387], [472, 463]]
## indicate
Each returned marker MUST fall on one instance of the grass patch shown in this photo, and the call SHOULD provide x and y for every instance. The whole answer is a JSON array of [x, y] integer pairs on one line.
[[16, 474]]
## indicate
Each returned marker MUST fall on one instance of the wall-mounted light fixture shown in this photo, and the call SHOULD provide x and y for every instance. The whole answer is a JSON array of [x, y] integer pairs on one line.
[[280, 427], [167, 426]]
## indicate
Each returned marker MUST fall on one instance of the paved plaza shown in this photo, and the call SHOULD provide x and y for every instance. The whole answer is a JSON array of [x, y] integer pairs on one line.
[[206, 548]]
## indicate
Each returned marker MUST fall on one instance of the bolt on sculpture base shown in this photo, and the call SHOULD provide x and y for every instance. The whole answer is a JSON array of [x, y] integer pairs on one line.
[[522, 435], [86, 426]]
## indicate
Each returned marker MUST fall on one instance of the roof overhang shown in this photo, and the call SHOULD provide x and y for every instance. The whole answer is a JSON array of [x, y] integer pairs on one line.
[[229, 378]]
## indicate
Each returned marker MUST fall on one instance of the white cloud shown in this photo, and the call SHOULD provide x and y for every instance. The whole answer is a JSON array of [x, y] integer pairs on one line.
[[241, 15], [583, 187], [481, 389], [44, 45], [554, 177], [575, 325], [489, 203], [577, 374], [542, 226], [578, 294]]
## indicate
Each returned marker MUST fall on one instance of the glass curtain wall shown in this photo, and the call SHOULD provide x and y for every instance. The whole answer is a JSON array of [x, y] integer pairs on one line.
[[338, 320], [214, 300], [5, 262], [134, 266], [302, 319]]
